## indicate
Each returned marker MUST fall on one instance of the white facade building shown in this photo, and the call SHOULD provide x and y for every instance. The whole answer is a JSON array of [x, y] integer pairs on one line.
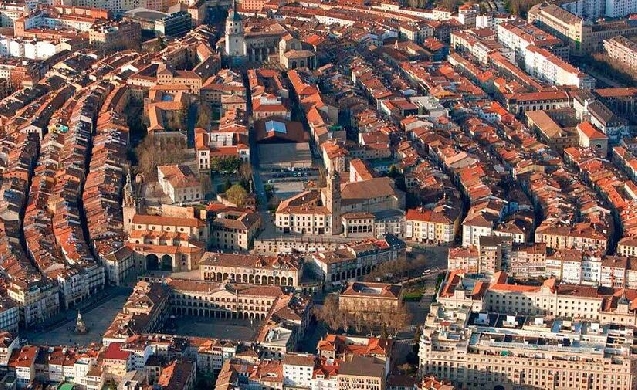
[[620, 8], [298, 369], [547, 66], [31, 49]]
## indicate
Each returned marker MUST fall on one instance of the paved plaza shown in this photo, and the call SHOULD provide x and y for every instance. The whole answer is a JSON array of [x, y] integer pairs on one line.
[[97, 319], [235, 329]]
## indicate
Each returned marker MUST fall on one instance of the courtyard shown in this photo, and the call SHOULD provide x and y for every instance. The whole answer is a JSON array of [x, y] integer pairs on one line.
[[222, 328]]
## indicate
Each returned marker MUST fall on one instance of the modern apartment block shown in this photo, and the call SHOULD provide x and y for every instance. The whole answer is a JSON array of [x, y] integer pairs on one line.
[[475, 350], [583, 36], [623, 50]]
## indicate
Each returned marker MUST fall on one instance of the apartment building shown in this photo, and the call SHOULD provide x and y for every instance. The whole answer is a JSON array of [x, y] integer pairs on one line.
[[491, 254], [9, 315], [211, 354], [518, 36], [620, 8], [37, 301], [463, 259], [609, 123], [528, 261], [627, 246], [479, 350], [22, 362], [562, 24], [581, 236], [232, 229], [432, 226], [359, 372], [9, 342], [544, 65], [116, 36], [582, 36], [116, 361], [298, 369], [622, 50], [148, 301], [311, 212]]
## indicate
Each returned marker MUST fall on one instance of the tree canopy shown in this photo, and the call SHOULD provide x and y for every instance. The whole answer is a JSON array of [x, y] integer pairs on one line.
[[237, 195], [225, 164]]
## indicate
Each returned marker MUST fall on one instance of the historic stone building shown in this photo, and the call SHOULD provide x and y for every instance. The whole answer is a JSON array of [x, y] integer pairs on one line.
[[263, 41]]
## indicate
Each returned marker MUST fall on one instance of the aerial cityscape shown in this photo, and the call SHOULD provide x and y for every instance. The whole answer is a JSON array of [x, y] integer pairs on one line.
[[318, 195]]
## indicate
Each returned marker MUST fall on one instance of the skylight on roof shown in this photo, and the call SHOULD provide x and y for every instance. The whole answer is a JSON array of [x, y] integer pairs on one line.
[[278, 127]]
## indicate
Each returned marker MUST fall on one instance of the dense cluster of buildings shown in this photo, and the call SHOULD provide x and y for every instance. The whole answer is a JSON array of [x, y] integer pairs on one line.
[[468, 129]]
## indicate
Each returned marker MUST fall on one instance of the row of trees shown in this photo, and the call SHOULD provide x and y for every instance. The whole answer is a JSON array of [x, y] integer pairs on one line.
[[377, 318], [601, 62], [520, 7]]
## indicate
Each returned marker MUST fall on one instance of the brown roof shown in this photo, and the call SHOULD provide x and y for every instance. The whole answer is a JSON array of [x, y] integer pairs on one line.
[[294, 359], [248, 260], [167, 221], [369, 289], [373, 188]]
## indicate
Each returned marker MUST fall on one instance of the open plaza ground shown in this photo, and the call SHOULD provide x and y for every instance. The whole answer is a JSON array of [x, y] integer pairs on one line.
[[215, 328], [97, 319]]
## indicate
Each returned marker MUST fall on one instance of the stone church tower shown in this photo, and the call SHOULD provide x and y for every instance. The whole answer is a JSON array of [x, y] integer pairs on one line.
[[129, 204], [332, 200], [235, 40]]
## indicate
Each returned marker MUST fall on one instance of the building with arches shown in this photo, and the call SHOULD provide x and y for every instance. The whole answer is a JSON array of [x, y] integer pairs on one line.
[[352, 261], [254, 269], [167, 243], [222, 300]]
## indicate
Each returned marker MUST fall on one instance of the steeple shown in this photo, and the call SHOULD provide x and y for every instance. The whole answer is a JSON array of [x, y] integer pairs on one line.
[[234, 12], [235, 40], [333, 200]]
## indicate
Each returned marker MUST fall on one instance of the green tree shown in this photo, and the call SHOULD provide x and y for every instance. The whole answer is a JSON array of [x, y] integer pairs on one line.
[[225, 164], [237, 195]]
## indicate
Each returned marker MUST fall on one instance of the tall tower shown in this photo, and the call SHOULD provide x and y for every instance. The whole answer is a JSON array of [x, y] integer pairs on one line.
[[235, 40], [333, 201], [129, 205]]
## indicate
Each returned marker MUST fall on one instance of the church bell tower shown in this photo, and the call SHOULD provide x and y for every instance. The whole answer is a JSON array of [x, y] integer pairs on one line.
[[235, 40]]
